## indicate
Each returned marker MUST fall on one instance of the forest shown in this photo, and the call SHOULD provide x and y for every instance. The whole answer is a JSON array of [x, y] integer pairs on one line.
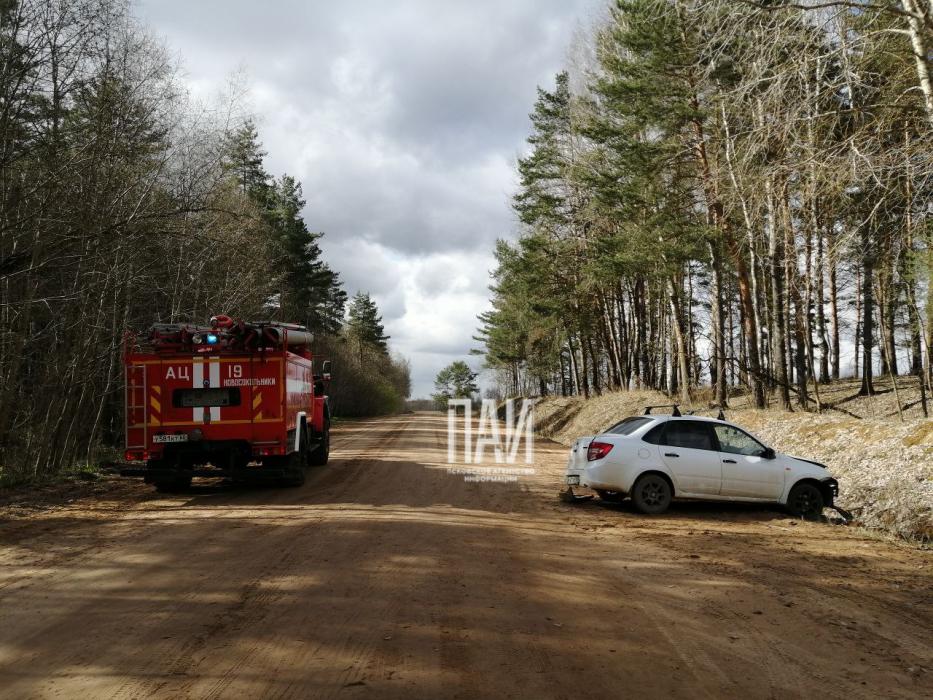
[[726, 195], [124, 202]]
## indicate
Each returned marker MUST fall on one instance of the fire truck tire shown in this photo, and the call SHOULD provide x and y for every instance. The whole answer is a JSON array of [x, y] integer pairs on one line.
[[320, 454], [178, 484], [171, 483], [295, 469]]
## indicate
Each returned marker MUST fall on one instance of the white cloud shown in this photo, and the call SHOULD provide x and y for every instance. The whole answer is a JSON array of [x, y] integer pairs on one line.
[[402, 121], [429, 303]]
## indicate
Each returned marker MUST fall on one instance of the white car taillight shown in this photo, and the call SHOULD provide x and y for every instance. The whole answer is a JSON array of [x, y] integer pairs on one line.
[[597, 450]]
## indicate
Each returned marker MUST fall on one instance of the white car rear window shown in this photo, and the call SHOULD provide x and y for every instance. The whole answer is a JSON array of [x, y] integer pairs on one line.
[[627, 426]]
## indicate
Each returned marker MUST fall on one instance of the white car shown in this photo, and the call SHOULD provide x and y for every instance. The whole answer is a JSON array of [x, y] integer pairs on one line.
[[656, 458]]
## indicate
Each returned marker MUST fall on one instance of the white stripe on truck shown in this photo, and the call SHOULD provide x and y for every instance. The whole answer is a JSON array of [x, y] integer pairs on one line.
[[197, 381], [215, 383]]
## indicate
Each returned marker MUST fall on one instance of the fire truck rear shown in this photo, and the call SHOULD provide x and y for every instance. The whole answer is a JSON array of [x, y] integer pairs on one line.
[[234, 399]]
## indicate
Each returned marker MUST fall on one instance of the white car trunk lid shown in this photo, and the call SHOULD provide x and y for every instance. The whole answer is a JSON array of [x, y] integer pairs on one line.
[[577, 460]]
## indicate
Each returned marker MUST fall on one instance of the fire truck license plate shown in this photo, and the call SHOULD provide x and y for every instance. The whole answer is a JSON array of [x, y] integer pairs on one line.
[[170, 438]]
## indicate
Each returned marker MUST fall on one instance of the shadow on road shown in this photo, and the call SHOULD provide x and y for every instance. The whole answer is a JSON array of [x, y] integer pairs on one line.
[[388, 576]]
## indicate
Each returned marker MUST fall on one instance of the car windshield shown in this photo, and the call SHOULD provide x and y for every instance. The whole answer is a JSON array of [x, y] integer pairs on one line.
[[627, 426]]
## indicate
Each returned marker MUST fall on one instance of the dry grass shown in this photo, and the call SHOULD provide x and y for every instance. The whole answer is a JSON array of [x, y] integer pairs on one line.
[[885, 466], [843, 398]]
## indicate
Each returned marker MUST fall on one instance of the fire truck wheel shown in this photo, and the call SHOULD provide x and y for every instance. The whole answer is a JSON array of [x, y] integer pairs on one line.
[[167, 482], [177, 484], [294, 469], [318, 457]]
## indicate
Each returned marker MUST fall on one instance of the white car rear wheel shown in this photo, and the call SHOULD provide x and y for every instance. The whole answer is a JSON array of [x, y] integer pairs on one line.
[[652, 494]]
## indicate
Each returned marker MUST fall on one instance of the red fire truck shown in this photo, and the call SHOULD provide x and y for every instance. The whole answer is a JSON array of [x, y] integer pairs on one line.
[[234, 399]]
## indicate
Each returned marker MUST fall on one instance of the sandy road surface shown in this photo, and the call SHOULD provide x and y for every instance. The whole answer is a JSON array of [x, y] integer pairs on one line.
[[386, 576]]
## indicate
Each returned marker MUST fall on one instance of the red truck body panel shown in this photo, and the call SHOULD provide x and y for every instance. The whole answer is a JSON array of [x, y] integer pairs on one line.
[[218, 396]]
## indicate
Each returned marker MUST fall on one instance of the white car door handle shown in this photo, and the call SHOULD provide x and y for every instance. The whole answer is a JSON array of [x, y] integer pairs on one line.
[[671, 454], [728, 461]]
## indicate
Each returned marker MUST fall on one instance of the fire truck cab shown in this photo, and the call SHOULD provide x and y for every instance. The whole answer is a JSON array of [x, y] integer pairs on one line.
[[234, 399]]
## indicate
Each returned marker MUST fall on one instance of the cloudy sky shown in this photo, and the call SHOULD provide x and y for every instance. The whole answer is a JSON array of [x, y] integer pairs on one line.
[[403, 120]]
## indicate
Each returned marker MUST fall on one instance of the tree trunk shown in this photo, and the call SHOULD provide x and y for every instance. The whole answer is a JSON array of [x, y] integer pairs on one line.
[[584, 368], [594, 366], [577, 386], [867, 310], [800, 349], [717, 317], [778, 327], [734, 248], [921, 52], [890, 341], [833, 313], [679, 344], [641, 319], [821, 310]]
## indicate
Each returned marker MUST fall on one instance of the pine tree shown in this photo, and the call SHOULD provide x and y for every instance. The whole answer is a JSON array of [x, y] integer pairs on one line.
[[656, 75], [243, 158], [546, 264], [542, 200], [312, 293], [364, 326], [455, 381]]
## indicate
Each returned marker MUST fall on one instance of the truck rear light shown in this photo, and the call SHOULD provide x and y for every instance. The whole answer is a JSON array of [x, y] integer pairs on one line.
[[597, 450], [136, 455], [267, 451]]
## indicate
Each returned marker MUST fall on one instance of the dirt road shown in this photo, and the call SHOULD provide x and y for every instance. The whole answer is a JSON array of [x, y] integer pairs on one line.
[[388, 576]]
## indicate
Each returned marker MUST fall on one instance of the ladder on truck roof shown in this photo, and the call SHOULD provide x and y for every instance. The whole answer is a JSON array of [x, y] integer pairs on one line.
[[135, 400]]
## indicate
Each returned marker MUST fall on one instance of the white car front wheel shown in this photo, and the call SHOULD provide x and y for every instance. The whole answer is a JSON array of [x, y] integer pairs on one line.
[[805, 500]]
